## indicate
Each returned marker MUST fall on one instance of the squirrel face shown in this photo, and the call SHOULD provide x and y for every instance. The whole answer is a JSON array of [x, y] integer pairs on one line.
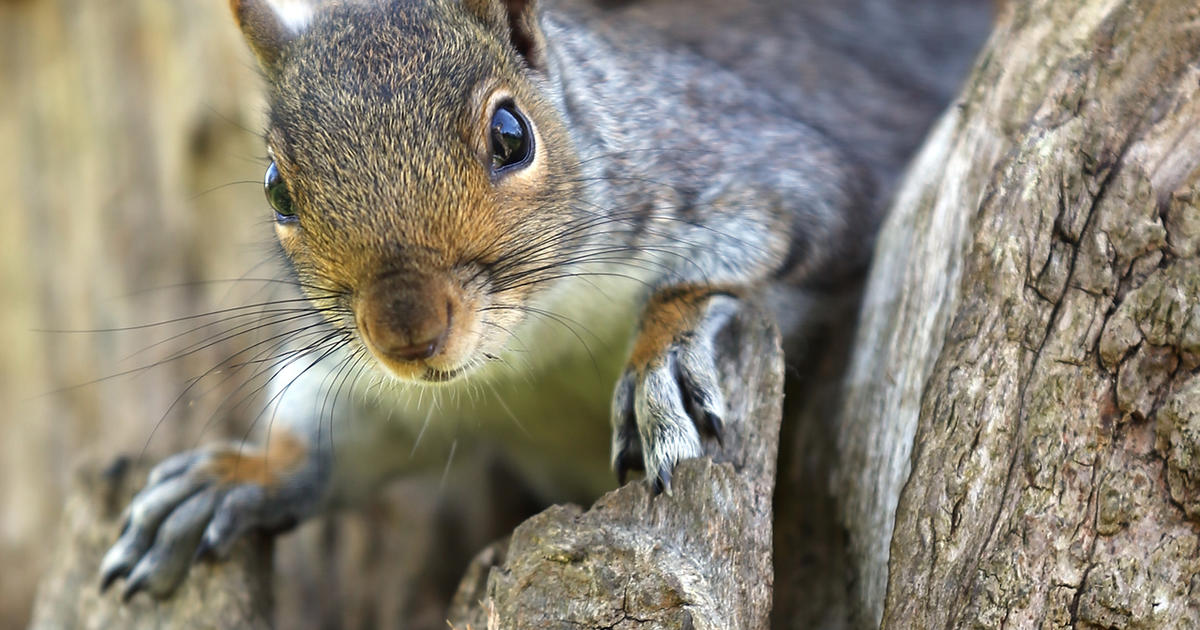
[[419, 172]]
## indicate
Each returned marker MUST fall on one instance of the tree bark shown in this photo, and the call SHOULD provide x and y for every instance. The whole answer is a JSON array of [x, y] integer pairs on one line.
[[1031, 335]]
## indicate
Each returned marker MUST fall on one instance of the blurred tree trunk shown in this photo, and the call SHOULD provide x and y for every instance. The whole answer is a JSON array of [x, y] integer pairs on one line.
[[128, 129], [1031, 336]]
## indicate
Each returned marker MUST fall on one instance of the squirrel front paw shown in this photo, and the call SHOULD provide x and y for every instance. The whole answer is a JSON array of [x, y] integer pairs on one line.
[[196, 504], [669, 394]]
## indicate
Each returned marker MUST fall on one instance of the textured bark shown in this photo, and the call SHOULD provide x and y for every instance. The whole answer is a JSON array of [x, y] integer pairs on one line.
[[1032, 337]]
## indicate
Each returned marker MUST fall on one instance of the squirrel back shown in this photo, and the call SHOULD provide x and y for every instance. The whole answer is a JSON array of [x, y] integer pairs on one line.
[[871, 74]]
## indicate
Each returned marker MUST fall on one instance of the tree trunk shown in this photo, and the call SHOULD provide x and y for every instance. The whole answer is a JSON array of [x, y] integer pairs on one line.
[[1031, 334], [128, 131]]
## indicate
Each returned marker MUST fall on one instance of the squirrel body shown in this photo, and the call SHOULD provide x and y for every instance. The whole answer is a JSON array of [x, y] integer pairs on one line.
[[508, 207]]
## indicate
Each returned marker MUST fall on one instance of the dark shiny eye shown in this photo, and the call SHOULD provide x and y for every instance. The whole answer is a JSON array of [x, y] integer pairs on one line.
[[278, 196], [510, 138]]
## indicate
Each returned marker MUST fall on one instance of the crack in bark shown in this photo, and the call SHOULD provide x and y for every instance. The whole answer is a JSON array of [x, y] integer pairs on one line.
[[1018, 453], [1093, 503]]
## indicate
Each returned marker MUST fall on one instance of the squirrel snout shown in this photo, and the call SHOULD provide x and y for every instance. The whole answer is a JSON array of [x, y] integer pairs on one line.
[[405, 318]]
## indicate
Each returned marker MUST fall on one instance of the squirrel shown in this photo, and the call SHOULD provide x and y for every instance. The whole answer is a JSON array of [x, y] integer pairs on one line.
[[457, 184]]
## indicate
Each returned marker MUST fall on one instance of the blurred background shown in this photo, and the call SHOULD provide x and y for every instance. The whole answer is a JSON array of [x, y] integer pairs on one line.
[[129, 183]]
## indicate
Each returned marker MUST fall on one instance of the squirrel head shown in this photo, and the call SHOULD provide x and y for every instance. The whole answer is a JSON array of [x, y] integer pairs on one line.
[[421, 173]]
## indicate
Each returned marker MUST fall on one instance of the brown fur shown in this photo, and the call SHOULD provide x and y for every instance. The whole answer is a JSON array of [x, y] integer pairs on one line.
[[380, 193], [266, 36], [686, 155], [283, 454], [669, 314]]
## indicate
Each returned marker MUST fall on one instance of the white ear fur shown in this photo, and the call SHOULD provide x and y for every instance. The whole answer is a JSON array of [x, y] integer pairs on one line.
[[270, 24], [294, 15]]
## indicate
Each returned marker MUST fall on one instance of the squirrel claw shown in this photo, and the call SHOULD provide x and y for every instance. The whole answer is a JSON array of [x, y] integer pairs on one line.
[[662, 407], [204, 552], [191, 511], [133, 587], [110, 575], [625, 462], [662, 483]]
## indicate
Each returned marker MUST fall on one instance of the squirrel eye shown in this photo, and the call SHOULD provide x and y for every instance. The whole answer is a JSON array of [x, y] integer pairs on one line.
[[510, 139], [277, 194]]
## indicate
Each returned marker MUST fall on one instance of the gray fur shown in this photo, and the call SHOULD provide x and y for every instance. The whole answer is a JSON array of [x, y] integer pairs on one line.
[[165, 563], [184, 513]]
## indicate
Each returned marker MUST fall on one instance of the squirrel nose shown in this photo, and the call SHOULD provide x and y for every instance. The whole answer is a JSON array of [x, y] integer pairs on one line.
[[405, 318], [393, 346]]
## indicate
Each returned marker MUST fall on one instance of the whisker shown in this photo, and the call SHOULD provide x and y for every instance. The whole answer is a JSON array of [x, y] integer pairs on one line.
[[283, 390], [271, 318], [269, 365], [222, 186], [446, 470], [421, 433], [281, 282], [174, 320], [563, 321]]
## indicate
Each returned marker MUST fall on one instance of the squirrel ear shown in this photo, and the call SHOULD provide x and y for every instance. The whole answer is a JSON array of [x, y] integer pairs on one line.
[[269, 25], [518, 20]]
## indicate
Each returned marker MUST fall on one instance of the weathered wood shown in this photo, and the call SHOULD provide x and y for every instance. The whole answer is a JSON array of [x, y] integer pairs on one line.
[[697, 558], [1032, 335], [913, 286]]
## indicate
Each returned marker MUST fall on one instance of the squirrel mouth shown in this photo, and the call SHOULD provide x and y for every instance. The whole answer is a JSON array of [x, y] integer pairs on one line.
[[418, 372], [434, 375]]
